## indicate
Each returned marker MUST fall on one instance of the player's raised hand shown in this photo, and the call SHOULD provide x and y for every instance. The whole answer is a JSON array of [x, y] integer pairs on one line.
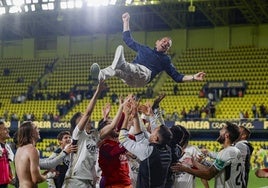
[[106, 111], [125, 17]]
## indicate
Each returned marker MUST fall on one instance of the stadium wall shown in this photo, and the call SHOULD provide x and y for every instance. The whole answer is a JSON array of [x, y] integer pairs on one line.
[[205, 129], [103, 44]]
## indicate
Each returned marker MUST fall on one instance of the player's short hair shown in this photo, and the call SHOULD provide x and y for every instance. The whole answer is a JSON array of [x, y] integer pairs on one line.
[[62, 134], [165, 135], [246, 131], [233, 131]]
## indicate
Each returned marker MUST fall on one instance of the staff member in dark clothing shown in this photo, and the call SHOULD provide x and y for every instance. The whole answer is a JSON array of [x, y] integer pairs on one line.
[[153, 152]]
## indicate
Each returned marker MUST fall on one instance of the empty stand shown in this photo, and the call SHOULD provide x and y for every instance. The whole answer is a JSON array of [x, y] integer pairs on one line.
[[244, 63]]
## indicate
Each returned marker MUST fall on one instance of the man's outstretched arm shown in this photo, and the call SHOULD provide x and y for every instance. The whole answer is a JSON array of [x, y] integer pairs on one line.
[[198, 76], [85, 118]]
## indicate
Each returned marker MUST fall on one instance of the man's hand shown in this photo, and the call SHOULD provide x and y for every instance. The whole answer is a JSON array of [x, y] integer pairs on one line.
[[70, 148], [178, 167], [106, 111], [158, 100], [127, 108], [146, 109], [125, 17], [199, 76], [205, 151], [51, 173]]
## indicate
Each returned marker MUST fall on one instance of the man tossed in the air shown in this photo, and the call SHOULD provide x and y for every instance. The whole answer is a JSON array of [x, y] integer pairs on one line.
[[146, 65]]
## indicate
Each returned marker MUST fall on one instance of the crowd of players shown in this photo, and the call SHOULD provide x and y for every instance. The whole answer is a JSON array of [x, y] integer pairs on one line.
[[132, 149]]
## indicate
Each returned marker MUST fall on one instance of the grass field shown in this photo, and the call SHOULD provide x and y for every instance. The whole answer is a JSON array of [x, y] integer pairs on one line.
[[254, 182]]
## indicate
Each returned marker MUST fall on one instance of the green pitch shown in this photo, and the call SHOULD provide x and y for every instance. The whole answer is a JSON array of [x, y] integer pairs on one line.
[[254, 182]]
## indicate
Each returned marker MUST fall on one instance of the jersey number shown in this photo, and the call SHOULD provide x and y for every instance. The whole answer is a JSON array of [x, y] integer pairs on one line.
[[238, 179]]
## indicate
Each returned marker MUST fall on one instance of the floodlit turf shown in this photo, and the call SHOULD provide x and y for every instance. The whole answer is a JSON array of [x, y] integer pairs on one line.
[[254, 182]]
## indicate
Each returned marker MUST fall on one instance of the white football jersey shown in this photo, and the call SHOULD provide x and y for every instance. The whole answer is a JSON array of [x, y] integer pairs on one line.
[[230, 165], [82, 165], [183, 179]]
